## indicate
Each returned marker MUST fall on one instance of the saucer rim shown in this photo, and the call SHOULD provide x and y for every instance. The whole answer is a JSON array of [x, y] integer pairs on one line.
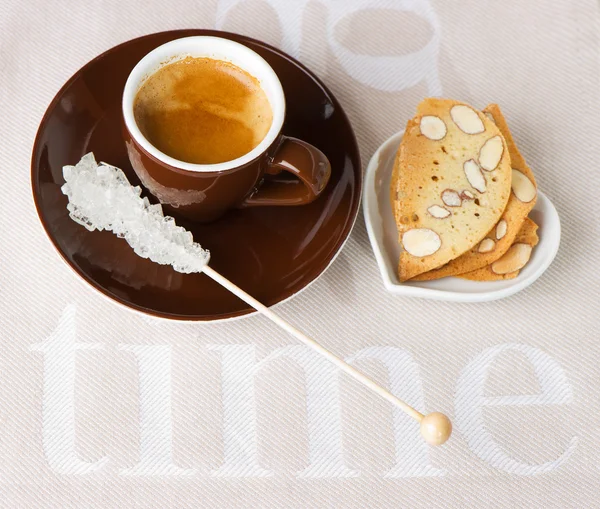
[[350, 218], [390, 281]]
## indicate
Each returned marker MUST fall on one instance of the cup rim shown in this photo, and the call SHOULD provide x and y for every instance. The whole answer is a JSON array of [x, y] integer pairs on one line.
[[236, 54]]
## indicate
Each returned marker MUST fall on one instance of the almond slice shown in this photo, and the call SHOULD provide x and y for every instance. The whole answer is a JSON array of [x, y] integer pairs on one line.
[[432, 127], [486, 246], [421, 242], [474, 175], [522, 187], [501, 229], [451, 198], [491, 153], [438, 212], [466, 119], [514, 259], [490, 116], [467, 195]]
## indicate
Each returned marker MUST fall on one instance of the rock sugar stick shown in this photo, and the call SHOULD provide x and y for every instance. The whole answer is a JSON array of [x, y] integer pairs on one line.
[[101, 198]]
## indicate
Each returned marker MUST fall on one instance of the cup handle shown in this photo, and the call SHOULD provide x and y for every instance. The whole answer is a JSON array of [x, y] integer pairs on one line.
[[302, 160]]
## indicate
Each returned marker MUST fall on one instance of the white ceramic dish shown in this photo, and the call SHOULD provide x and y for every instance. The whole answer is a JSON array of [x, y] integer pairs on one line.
[[384, 239]]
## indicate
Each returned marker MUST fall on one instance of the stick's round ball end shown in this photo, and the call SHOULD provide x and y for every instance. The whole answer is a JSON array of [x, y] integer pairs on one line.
[[436, 428]]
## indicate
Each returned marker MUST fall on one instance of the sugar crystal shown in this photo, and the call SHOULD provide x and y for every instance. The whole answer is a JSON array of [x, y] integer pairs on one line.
[[101, 198]]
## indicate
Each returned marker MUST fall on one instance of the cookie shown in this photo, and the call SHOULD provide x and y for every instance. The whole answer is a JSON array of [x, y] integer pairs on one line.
[[499, 239], [450, 184], [515, 258]]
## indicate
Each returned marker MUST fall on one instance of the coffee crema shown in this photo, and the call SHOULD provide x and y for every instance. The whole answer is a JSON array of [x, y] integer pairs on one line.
[[202, 111]]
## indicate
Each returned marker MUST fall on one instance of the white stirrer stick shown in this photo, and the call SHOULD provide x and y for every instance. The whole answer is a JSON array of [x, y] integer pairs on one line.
[[100, 197], [435, 427]]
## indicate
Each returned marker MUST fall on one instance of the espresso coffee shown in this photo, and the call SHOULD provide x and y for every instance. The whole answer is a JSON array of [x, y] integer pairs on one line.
[[202, 111]]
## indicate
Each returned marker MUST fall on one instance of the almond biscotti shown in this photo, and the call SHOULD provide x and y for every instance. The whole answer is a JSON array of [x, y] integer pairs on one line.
[[500, 238], [451, 183], [511, 262]]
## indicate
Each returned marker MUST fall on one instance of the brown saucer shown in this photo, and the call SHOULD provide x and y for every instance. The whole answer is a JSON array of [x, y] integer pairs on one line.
[[271, 252]]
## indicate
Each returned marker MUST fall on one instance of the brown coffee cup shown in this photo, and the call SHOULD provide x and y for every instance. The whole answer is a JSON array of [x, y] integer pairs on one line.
[[279, 171]]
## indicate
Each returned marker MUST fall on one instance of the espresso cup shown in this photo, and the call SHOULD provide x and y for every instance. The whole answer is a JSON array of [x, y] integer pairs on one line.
[[279, 171]]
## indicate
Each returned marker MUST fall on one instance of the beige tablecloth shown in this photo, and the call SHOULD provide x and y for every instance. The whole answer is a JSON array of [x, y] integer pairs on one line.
[[101, 408]]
